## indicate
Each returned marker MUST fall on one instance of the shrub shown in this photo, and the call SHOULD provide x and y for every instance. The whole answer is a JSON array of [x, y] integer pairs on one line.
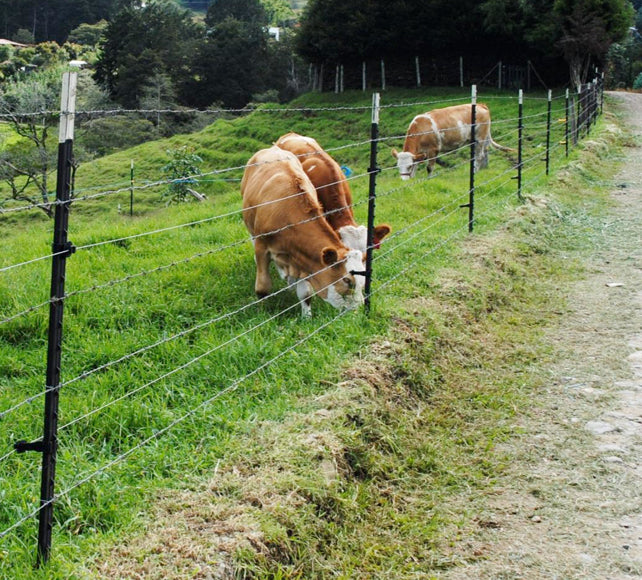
[[183, 169]]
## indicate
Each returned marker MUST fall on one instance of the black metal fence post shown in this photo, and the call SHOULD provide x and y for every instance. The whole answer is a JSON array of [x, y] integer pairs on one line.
[[62, 249], [372, 195], [131, 188], [566, 133], [588, 107], [578, 117], [602, 95], [548, 131], [520, 143], [473, 147]]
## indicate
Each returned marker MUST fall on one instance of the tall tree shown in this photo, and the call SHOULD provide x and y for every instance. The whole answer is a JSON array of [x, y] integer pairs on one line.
[[232, 64], [588, 28], [26, 163], [145, 40], [50, 19]]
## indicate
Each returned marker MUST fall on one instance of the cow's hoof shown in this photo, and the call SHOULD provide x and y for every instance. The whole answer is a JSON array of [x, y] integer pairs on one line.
[[262, 294]]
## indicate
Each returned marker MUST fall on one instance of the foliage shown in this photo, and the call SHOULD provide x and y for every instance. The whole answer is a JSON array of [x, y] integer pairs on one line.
[[249, 11], [106, 135], [158, 38], [589, 27], [623, 63], [349, 31], [28, 105], [183, 169], [278, 12], [232, 63], [23, 36], [88, 34], [637, 83], [50, 20]]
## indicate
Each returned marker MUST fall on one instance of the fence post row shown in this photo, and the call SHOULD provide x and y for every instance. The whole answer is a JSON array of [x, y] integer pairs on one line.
[[473, 126], [520, 143], [548, 131], [62, 249], [372, 195]]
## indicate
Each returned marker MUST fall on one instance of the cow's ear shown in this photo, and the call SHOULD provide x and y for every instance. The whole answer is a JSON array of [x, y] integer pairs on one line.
[[394, 153], [380, 232], [329, 256], [420, 157]]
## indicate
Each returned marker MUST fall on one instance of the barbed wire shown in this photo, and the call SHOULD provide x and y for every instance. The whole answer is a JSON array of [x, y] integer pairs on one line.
[[234, 385]]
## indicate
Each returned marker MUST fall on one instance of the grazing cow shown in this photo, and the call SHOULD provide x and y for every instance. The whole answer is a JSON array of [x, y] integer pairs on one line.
[[333, 191], [284, 218], [443, 130]]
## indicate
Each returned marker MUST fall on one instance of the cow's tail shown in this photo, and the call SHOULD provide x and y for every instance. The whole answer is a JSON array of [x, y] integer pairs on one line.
[[500, 147]]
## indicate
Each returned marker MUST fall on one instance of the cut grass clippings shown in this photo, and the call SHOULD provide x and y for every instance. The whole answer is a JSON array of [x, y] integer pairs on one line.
[[359, 482]]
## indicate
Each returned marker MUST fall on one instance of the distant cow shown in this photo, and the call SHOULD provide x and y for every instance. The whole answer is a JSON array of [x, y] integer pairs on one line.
[[443, 130], [284, 218], [333, 191]]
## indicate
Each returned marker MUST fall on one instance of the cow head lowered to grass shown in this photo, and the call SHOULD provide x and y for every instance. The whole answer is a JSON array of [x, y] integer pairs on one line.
[[333, 191], [283, 215]]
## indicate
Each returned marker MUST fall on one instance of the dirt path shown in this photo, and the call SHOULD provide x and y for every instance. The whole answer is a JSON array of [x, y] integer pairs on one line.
[[571, 506]]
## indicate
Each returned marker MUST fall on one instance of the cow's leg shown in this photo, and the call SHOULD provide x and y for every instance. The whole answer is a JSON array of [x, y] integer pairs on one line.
[[263, 284], [304, 291], [481, 155]]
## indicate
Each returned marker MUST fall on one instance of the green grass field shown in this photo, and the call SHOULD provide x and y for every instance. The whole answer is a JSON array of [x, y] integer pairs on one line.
[[179, 409]]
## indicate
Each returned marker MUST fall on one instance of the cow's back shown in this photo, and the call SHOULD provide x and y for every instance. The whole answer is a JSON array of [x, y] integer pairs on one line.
[[326, 176], [276, 192]]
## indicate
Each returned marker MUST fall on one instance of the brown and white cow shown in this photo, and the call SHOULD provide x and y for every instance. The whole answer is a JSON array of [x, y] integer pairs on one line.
[[283, 215], [333, 191], [442, 130]]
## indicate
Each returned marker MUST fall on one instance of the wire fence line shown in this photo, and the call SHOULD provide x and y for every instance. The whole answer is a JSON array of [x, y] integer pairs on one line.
[[282, 110], [412, 233]]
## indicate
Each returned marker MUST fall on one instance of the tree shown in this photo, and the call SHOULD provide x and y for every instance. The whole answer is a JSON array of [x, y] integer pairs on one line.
[[50, 19], [232, 64], [183, 170], [588, 28], [278, 12], [143, 40], [26, 163], [88, 34]]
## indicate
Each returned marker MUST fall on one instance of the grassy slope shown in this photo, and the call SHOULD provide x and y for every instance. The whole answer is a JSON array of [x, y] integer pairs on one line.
[[104, 325]]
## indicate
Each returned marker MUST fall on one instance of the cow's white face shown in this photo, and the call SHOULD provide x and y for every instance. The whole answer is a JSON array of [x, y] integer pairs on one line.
[[349, 298], [406, 164], [354, 237]]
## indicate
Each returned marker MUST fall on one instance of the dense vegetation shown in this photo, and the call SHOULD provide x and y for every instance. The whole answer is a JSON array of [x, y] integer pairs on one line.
[[228, 57]]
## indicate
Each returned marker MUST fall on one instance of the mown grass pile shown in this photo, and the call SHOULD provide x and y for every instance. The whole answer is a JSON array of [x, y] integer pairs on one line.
[[352, 467]]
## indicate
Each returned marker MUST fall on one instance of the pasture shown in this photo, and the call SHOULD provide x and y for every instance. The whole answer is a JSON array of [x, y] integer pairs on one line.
[[169, 361]]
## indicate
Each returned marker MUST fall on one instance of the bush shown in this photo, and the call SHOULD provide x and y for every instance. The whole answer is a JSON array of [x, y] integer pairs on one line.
[[637, 83], [183, 169], [108, 134]]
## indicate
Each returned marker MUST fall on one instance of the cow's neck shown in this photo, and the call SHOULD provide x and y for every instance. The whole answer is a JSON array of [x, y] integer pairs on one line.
[[307, 257]]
